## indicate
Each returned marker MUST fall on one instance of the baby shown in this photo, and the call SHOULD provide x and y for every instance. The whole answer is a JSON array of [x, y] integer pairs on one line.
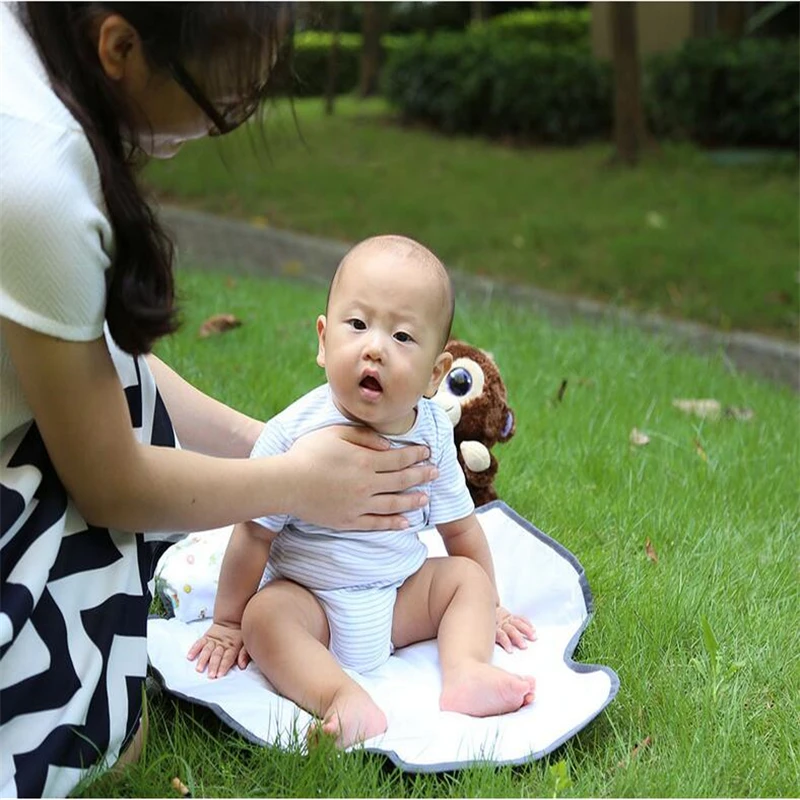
[[305, 601]]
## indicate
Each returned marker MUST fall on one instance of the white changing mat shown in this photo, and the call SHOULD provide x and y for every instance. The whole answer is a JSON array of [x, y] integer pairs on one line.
[[536, 577]]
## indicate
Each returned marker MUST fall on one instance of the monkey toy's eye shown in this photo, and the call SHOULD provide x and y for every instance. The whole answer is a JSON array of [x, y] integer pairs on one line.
[[459, 381]]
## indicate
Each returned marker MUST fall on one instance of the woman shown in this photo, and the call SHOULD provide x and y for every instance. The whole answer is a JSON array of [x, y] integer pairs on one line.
[[89, 451]]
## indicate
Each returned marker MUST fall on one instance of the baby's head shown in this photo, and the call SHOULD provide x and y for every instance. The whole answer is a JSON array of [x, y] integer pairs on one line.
[[388, 317]]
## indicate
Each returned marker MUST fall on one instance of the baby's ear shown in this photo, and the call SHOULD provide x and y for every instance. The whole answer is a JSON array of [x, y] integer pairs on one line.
[[440, 368], [321, 340]]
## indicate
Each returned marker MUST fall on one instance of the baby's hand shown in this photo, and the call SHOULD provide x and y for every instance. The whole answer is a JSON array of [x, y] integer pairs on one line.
[[513, 630], [219, 648]]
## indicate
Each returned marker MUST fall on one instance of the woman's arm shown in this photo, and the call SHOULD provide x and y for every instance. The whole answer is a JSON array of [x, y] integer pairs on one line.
[[202, 423], [80, 408]]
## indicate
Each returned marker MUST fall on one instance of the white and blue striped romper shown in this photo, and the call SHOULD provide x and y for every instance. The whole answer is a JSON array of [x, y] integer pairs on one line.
[[355, 574]]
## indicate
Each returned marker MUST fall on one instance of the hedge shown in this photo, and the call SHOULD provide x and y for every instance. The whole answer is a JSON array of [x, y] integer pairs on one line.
[[551, 27], [467, 84], [310, 62], [715, 91], [721, 92]]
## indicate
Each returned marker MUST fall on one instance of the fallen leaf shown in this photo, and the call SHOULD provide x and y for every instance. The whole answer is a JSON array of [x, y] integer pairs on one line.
[[650, 550], [778, 298], [293, 268], [230, 282], [743, 414], [646, 742], [705, 408], [698, 448], [638, 439], [179, 786], [259, 222], [219, 323], [674, 294]]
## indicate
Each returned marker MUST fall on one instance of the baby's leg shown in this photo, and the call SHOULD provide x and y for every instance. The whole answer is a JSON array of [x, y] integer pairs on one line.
[[452, 599], [286, 633]]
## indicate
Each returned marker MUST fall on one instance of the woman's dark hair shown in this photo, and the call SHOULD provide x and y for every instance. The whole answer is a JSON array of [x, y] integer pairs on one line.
[[232, 37]]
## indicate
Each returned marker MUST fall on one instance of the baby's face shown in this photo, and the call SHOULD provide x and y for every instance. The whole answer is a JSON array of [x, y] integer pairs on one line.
[[381, 343]]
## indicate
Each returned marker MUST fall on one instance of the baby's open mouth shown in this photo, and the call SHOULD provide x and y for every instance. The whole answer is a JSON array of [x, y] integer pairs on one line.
[[371, 384]]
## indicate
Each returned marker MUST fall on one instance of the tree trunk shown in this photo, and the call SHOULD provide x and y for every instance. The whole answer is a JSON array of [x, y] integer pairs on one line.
[[629, 127], [333, 58], [371, 32], [731, 18], [477, 11]]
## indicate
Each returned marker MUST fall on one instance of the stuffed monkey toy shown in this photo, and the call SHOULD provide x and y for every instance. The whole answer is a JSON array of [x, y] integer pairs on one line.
[[474, 396]]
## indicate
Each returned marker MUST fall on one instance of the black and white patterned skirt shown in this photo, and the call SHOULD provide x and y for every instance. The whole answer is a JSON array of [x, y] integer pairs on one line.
[[74, 601]]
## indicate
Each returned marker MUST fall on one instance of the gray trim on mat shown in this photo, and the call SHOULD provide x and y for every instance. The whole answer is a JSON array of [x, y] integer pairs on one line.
[[568, 660], [575, 666]]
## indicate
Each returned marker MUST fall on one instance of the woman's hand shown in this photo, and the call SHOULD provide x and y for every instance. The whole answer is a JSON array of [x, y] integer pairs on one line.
[[513, 630], [349, 479], [219, 648]]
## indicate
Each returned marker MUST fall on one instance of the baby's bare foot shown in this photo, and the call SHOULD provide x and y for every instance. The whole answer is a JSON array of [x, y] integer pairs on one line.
[[482, 690], [352, 717]]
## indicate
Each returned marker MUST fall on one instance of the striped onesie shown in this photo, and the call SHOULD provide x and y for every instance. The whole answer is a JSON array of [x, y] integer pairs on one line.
[[356, 574]]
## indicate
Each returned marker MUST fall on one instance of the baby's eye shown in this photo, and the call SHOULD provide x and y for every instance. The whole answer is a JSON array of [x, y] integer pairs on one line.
[[357, 324], [403, 337]]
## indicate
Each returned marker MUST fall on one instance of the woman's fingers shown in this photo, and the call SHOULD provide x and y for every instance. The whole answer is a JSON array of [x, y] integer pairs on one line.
[[348, 482], [364, 437], [390, 482], [403, 458], [386, 459]]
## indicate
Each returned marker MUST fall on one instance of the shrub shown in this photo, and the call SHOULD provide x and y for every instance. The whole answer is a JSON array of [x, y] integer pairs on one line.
[[726, 92], [468, 84], [311, 52], [716, 92], [552, 27], [310, 68]]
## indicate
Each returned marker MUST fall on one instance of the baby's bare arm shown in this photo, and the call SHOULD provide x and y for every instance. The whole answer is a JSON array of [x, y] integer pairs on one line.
[[221, 646], [465, 537], [242, 567]]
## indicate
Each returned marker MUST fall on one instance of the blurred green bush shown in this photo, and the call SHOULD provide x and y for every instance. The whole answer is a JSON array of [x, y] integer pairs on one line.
[[492, 81], [549, 26], [716, 92], [722, 92], [310, 62], [471, 84]]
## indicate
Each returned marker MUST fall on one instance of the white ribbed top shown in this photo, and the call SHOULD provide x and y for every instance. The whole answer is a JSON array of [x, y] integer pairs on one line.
[[320, 558], [55, 238]]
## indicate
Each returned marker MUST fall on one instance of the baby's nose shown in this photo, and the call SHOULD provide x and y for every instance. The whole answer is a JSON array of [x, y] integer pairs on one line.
[[373, 347]]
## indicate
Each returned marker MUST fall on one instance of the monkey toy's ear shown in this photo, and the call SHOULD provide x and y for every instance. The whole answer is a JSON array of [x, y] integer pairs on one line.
[[509, 427]]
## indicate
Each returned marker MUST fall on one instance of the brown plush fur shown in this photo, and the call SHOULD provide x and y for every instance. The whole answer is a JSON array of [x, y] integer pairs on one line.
[[486, 419]]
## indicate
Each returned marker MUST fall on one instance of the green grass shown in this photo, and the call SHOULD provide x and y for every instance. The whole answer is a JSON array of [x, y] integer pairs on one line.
[[706, 641], [678, 235]]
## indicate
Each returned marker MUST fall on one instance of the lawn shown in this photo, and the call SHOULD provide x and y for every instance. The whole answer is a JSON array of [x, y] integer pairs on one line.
[[679, 235], [703, 631]]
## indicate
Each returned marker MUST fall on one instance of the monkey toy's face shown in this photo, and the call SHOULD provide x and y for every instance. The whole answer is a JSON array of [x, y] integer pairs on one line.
[[474, 396], [463, 383]]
